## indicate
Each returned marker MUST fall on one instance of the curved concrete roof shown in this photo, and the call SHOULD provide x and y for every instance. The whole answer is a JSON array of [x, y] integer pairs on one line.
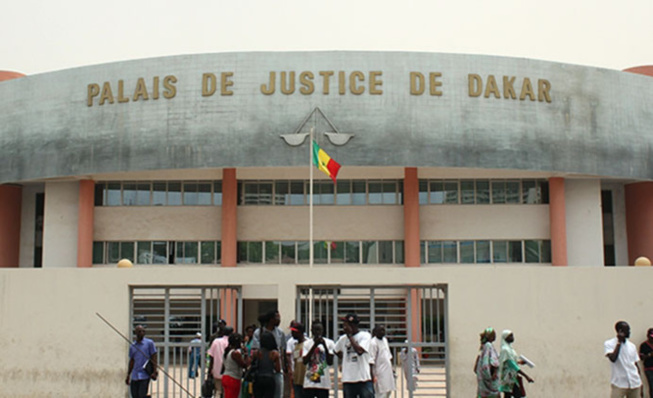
[[479, 112]]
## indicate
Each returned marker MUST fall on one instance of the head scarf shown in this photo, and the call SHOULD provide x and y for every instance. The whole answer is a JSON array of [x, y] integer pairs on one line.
[[485, 335], [507, 352]]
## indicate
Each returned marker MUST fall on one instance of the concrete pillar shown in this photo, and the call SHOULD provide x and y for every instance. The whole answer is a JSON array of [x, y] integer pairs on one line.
[[411, 217], [639, 220], [229, 218], [558, 220], [11, 197], [85, 224]]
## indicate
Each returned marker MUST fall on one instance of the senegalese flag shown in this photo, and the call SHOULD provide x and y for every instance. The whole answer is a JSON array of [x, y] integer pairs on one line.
[[324, 162]]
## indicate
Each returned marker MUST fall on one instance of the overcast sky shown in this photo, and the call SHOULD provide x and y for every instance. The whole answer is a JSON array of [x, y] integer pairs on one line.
[[39, 36]]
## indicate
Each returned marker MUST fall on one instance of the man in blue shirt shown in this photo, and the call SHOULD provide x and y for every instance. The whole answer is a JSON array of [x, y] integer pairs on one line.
[[140, 352]]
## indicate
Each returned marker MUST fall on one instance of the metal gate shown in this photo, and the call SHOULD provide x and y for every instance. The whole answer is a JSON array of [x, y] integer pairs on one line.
[[416, 321], [172, 316]]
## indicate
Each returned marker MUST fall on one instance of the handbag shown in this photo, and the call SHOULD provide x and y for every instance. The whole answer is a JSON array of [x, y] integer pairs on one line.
[[208, 387], [149, 368]]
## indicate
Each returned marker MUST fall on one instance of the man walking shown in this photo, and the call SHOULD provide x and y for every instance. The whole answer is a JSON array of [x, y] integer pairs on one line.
[[383, 371], [623, 357], [354, 349], [140, 352]]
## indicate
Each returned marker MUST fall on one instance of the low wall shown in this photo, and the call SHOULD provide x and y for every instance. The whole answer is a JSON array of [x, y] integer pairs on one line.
[[53, 345]]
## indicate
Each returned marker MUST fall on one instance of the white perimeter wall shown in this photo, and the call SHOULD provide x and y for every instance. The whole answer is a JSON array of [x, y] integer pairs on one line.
[[584, 222], [53, 345]]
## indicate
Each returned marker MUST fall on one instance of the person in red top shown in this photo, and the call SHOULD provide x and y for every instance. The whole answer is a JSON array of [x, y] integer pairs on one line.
[[646, 355]]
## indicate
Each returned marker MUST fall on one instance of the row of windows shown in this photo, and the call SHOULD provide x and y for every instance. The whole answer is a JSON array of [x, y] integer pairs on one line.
[[324, 252], [158, 252], [343, 192], [158, 193], [296, 192], [485, 251], [483, 191]]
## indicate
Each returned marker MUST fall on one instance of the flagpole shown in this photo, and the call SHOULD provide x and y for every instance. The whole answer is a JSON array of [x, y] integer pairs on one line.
[[310, 223]]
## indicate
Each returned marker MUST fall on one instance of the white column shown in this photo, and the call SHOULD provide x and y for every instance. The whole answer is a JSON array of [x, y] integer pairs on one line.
[[584, 222], [60, 224]]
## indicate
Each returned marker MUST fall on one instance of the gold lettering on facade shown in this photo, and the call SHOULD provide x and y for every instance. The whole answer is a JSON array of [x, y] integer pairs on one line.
[[325, 76], [169, 87], [508, 89], [92, 91], [269, 89], [155, 89], [492, 88], [475, 85], [225, 83], [141, 90], [287, 82], [527, 90], [209, 84], [416, 83], [106, 95], [306, 80], [434, 83], [356, 90], [121, 92], [375, 83], [543, 87], [341, 83]]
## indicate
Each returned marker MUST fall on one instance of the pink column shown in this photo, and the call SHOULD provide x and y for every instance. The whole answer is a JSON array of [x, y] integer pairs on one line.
[[11, 199], [85, 224], [558, 219], [411, 217], [639, 220], [229, 220]]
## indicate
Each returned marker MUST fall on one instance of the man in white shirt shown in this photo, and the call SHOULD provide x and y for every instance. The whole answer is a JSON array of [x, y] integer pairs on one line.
[[623, 357], [383, 371], [318, 358], [354, 349]]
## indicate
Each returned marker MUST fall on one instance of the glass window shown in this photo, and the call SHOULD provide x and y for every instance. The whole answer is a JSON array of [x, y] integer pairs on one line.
[[482, 192], [113, 252], [467, 192], [254, 252], [437, 192], [343, 195], [144, 252], [98, 195], [98, 252], [498, 192], [390, 192], [320, 252], [217, 193], [127, 251], [514, 251], [281, 193], [512, 192], [532, 249], [265, 193], [113, 194], [358, 195], [303, 252], [288, 253], [385, 252], [449, 251], [400, 192], [191, 252], [499, 251], [174, 193], [435, 252], [399, 252], [375, 196], [352, 252], [324, 191], [423, 192], [530, 192], [251, 193], [451, 192], [204, 194], [143, 193], [337, 252], [370, 255], [129, 194], [160, 252], [272, 251], [191, 194], [467, 252], [207, 252], [159, 194], [544, 188], [297, 193], [545, 255], [422, 252], [483, 252]]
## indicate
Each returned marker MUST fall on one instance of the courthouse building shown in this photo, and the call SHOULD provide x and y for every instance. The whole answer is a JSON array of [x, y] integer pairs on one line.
[[196, 169]]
